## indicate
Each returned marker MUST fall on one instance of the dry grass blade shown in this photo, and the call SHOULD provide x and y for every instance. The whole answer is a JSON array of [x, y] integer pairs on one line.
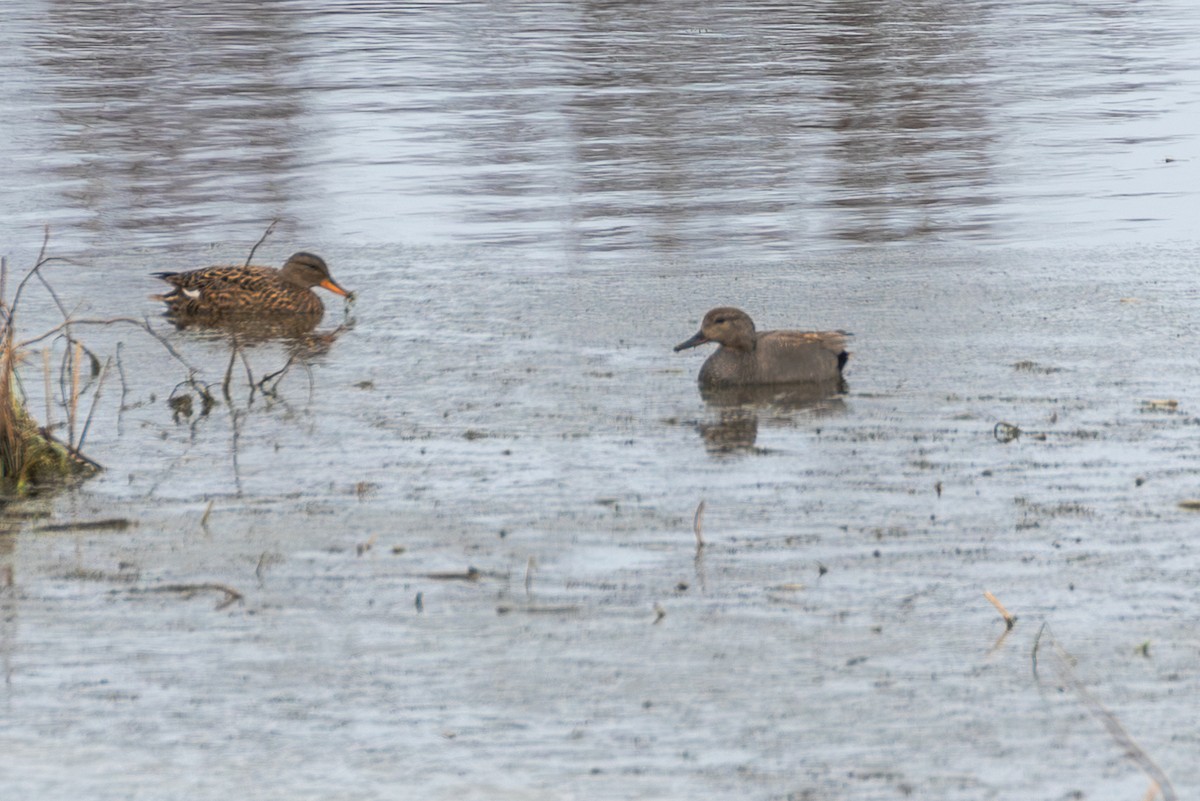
[[698, 524], [12, 450]]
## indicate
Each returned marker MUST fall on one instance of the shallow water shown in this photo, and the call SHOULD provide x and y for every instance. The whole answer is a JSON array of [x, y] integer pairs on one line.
[[534, 203]]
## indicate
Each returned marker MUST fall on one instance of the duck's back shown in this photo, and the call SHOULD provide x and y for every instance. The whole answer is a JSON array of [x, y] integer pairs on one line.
[[236, 290], [779, 357]]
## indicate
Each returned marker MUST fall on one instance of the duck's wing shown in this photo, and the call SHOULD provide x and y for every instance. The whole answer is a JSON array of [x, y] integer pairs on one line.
[[216, 289], [834, 341], [245, 279]]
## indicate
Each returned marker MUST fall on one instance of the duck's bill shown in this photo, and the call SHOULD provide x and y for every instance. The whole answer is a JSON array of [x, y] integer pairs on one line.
[[329, 284], [698, 339]]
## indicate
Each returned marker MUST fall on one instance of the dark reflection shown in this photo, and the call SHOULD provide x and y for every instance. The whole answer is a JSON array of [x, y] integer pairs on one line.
[[296, 334], [742, 125], [737, 410], [168, 117], [914, 139], [294, 329], [596, 126]]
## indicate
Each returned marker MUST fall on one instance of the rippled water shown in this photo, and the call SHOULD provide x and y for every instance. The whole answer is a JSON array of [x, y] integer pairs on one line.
[[580, 131], [534, 202]]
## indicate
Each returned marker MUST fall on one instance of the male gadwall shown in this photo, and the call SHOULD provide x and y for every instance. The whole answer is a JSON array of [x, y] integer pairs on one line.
[[747, 356], [215, 292]]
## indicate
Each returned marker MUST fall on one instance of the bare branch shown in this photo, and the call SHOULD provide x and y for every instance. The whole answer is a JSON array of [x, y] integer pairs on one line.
[[263, 238]]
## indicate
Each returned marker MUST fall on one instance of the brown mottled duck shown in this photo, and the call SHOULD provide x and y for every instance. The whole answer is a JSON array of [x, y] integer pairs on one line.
[[746, 357], [214, 293]]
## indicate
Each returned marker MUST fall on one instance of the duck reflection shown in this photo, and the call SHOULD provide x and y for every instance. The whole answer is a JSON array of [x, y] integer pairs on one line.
[[735, 411]]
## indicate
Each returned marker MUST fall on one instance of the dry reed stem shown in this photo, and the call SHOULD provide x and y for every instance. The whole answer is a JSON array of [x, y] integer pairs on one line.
[[12, 448], [1009, 618], [697, 525]]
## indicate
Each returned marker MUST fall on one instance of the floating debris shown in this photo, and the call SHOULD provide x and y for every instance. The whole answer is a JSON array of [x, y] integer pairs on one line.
[[232, 596], [1009, 618], [1005, 432], [105, 524], [471, 574]]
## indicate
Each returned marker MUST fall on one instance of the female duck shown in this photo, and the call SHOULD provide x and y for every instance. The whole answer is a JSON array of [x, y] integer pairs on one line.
[[215, 292], [746, 356]]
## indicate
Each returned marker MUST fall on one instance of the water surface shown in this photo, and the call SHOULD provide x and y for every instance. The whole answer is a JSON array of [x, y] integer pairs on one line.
[[462, 528]]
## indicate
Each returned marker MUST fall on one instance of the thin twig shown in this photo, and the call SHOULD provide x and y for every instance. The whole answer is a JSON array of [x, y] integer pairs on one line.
[[249, 373], [262, 239], [72, 451], [49, 392], [229, 374], [235, 423], [280, 373], [1062, 662], [95, 400], [142, 324], [73, 409]]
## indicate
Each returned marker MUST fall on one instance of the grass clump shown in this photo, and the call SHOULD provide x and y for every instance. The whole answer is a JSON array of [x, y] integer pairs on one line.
[[31, 457]]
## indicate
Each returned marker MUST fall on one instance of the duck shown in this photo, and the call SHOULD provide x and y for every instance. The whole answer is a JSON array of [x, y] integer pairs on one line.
[[232, 291], [747, 357]]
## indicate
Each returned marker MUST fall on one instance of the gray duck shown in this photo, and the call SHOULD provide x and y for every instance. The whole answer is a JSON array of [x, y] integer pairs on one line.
[[748, 357]]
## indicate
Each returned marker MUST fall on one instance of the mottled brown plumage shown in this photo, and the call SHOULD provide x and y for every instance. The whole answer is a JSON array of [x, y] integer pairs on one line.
[[750, 357], [218, 292]]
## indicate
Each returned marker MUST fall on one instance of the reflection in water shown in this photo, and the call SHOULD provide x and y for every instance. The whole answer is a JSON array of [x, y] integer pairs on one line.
[[913, 147], [737, 410], [595, 127], [166, 119], [297, 331]]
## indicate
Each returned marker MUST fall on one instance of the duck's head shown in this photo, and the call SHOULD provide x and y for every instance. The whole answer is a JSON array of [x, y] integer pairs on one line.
[[308, 270], [724, 325]]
